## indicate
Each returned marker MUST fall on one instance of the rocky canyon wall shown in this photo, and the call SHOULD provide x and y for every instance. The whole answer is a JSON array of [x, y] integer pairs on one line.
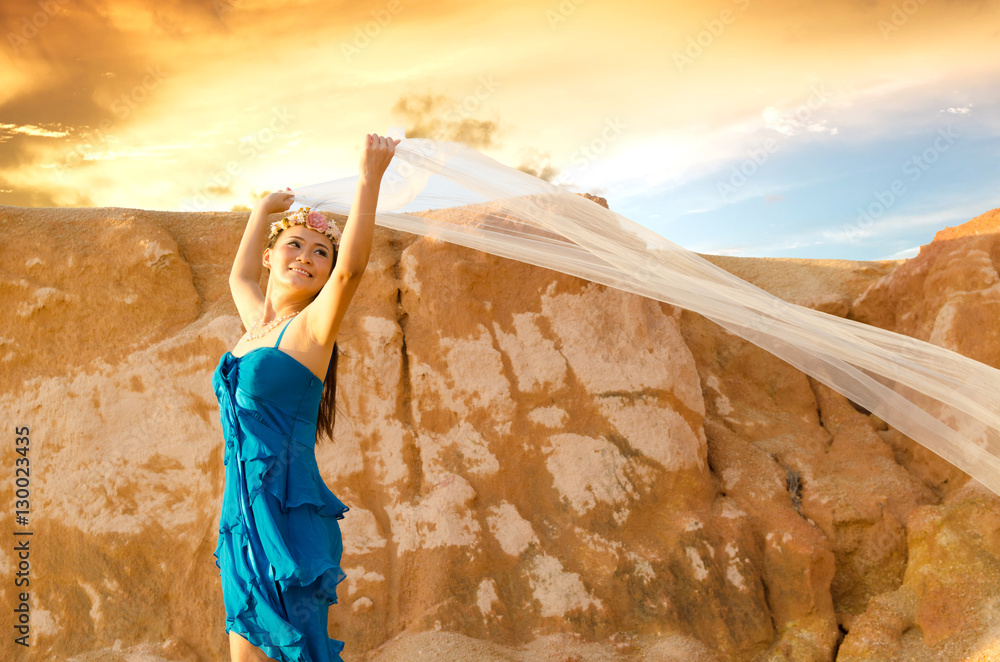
[[537, 467]]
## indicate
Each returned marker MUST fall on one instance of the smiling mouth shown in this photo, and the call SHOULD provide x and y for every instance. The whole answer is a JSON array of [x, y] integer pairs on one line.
[[306, 273]]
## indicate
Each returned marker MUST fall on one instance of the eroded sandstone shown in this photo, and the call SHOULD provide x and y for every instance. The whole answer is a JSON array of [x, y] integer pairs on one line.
[[535, 465]]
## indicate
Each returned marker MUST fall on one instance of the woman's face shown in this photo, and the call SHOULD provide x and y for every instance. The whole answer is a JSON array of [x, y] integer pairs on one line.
[[301, 259]]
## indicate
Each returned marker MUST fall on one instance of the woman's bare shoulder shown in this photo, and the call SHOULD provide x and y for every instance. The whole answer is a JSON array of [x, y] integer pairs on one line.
[[299, 342]]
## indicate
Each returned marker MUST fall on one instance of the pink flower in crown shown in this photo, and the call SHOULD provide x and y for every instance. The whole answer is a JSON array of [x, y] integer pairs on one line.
[[316, 221]]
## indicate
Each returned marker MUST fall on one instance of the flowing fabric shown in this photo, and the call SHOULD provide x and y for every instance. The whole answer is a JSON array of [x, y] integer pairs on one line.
[[941, 399]]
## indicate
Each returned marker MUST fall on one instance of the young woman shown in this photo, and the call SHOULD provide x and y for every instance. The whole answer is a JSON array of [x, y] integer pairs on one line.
[[279, 543]]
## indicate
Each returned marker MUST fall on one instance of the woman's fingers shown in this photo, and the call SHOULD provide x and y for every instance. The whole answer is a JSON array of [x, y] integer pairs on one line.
[[374, 138], [381, 146], [378, 152]]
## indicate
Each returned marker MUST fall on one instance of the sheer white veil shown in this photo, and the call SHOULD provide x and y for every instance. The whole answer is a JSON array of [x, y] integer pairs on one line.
[[945, 401]]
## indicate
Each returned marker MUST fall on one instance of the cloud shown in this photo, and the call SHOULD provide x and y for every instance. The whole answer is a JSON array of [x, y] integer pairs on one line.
[[439, 117], [904, 254], [901, 223], [229, 59], [32, 130], [60, 91], [538, 164], [30, 196], [793, 122]]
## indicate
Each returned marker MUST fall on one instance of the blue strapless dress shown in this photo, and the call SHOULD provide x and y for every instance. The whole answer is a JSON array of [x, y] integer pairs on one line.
[[279, 543]]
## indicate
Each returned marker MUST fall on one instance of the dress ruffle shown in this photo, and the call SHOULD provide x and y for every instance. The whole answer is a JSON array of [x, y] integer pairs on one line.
[[279, 544]]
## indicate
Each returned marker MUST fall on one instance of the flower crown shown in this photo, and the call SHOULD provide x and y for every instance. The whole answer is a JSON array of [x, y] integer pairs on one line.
[[313, 220]]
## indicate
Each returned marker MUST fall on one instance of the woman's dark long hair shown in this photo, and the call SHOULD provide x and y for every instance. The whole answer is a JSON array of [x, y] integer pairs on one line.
[[327, 411]]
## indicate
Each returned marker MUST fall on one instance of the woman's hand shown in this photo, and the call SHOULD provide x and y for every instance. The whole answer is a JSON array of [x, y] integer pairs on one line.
[[376, 155], [277, 201]]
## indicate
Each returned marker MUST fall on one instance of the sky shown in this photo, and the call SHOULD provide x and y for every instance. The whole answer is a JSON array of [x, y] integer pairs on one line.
[[785, 128]]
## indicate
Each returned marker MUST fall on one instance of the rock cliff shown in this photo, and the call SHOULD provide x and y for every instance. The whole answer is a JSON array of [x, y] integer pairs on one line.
[[538, 467]]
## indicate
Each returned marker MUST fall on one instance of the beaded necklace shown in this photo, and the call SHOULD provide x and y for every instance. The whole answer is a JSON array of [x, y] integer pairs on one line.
[[266, 328]]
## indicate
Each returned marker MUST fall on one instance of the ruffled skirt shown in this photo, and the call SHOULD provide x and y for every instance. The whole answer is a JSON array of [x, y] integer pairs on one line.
[[279, 546]]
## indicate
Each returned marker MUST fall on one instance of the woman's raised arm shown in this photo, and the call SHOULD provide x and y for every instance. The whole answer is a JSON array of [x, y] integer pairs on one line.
[[356, 242], [244, 279], [327, 311]]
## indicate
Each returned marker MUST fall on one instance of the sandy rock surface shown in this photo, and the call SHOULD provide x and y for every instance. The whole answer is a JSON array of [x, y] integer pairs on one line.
[[538, 467]]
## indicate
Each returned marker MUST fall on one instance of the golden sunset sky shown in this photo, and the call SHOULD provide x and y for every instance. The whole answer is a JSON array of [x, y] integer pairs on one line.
[[198, 105]]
